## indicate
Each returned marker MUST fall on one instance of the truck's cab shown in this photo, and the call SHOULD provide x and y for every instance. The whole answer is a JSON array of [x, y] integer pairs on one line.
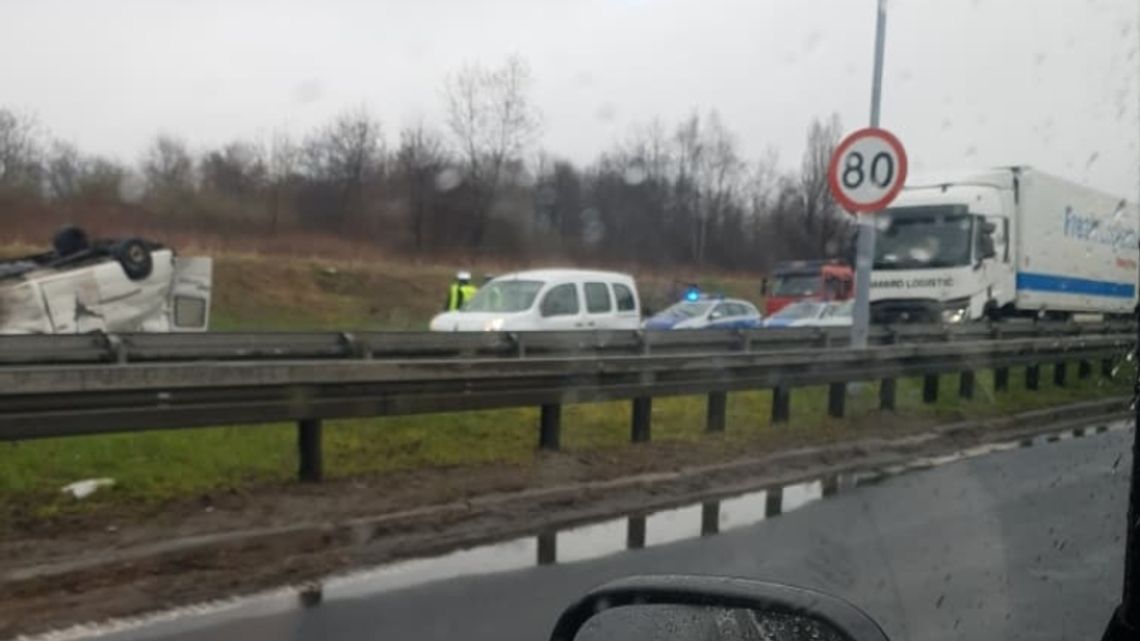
[[943, 250], [801, 280]]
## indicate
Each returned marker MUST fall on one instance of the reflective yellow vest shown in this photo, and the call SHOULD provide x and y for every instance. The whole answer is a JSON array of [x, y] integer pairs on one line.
[[458, 294]]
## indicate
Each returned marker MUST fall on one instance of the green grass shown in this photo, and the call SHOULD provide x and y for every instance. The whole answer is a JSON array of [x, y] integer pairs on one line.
[[153, 467]]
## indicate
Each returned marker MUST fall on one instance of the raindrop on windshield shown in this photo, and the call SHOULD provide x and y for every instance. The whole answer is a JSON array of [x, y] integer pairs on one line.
[[1118, 213], [593, 229], [921, 254], [448, 179], [606, 112], [132, 187], [635, 174]]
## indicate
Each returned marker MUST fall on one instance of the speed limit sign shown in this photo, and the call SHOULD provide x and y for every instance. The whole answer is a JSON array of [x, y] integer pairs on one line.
[[867, 170]]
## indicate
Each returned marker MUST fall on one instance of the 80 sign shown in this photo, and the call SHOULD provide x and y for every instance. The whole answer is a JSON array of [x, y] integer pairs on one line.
[[867, 170]]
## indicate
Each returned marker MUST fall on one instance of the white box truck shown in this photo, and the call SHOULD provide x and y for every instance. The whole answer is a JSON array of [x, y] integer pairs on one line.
[[1005, 242], [114, 285]]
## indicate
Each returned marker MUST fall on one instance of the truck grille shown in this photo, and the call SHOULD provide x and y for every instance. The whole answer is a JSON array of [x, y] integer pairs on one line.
[[906, 311]]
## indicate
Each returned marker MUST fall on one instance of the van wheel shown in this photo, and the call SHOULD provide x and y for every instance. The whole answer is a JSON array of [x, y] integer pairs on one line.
[[70, 240], [134, 257]]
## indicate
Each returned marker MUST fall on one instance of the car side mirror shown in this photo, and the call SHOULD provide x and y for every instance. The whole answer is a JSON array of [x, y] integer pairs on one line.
[[677, 608]]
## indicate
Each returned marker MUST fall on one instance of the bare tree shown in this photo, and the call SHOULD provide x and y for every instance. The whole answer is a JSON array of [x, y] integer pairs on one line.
[[282, 159], [493, 121], [420, 161], [720, 173], [64, 169], [20, 151], [71, 175], [168, 166], [821, 215], [342, 157], [237, 170]]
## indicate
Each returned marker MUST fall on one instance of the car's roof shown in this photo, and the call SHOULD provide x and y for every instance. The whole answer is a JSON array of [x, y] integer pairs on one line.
[[559, 274]]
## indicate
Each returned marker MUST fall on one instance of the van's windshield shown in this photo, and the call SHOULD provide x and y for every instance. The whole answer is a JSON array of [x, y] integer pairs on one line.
[[504, 296], [919, 237]]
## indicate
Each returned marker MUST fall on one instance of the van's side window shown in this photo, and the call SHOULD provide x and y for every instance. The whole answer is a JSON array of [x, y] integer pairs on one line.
[[624, 297], [561, 301], [597, 298]]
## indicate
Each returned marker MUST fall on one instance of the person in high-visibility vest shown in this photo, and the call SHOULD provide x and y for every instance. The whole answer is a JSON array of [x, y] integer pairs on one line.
[[460, 291]]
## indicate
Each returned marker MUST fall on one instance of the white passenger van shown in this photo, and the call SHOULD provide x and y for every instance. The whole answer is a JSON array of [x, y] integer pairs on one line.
[[548, 299]]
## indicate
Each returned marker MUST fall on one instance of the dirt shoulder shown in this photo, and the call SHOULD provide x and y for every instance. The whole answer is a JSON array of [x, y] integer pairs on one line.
[[95, 566]]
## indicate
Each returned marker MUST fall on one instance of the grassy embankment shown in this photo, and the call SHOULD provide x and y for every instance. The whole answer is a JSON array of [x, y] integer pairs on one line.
[[258, 293]]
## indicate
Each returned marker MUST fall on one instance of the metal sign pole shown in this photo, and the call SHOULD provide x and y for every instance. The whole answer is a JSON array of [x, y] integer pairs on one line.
[[865, 247]]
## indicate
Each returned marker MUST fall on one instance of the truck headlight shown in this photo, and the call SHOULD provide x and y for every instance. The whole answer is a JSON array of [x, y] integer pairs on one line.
[[956, 311], [493, 325]]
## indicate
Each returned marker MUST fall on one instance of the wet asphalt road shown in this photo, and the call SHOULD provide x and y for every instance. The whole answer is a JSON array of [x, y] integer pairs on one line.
[[1020, 544]]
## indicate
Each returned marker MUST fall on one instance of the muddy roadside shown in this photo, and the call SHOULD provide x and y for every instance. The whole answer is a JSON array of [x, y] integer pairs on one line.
[[99, 566]]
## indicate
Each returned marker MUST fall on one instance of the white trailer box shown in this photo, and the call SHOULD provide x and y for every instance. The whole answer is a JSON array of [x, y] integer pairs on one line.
[[1076, 248], [1004, 242]]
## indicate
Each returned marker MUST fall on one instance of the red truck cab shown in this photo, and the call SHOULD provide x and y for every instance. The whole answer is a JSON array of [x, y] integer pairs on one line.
[[808, 280]]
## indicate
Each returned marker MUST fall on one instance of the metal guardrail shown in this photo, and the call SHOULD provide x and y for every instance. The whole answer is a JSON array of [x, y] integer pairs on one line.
[[138, 348], [69, 385]]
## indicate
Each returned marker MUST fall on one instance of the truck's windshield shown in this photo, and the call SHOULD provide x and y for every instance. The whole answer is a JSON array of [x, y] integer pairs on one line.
[[504, 296], [796, 285], [918, 237]]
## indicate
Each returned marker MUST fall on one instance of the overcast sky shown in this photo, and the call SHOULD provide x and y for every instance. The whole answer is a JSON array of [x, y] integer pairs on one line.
[[968, 83]]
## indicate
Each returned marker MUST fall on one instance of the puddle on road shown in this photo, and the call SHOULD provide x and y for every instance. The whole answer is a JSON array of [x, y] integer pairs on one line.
[[641, 530], [568, 545]]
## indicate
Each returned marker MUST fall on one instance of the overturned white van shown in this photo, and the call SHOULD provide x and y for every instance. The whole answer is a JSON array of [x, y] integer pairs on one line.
[[113, 285]]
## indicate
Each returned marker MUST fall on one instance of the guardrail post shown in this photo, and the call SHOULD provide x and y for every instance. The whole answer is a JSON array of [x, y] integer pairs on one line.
[[1084, 369], [1059, 372], [1001, 379], [830, 485], [547, 548], [717, 409], [710, 518], [642, 412], [887, 388], [836, 399], [930, 388], [309, 468], [550, 427], [773, 502], [966, 385], [635, 532], [781, 404], [1106, 367], [1032, 377]]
